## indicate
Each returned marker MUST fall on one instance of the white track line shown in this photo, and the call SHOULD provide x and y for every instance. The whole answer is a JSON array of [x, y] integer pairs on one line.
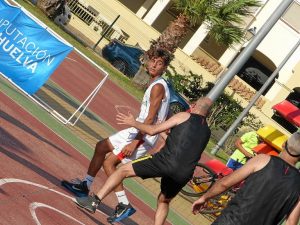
[[35, 205], [71, 59], [13, 180]]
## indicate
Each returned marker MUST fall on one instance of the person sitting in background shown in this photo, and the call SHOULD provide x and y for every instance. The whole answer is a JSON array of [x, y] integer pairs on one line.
[[244, 151]]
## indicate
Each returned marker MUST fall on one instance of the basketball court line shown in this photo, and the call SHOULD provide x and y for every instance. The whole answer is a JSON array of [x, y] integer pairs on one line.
[[71, 59], [139, 192], [34, 205], [14, 111]]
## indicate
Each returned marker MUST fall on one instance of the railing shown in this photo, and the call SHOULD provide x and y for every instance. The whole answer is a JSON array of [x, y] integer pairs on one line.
[[243, 89], [207, 61], [97, 22]]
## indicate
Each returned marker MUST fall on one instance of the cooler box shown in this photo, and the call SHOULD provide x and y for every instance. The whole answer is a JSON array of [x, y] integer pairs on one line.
[[218, 167], [272, 137], [264, 148]]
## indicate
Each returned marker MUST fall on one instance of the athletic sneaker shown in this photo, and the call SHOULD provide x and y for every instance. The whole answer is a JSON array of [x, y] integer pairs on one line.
[[122, 211], [89, 203], [77, 187]]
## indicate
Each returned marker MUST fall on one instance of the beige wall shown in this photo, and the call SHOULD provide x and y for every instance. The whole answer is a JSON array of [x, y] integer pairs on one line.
[[132, 5], [132, 25], [210, 45], [292, 83], [272, 50]]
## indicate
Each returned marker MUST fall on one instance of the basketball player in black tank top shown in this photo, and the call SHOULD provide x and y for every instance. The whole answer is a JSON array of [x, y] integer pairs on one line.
[[175, 163], [270, 194]]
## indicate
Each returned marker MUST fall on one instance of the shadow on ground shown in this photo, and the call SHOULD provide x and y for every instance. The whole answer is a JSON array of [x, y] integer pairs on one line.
[[63, 106]]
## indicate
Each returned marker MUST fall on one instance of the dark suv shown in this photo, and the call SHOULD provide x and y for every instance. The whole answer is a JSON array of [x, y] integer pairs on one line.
[[177, 102], [126, 58]]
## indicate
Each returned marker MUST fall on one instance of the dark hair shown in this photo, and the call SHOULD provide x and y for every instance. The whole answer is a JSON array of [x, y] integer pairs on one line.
[[164, 54]]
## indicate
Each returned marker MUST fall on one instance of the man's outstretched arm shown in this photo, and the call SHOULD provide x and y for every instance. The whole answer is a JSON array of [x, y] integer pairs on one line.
[[234, 178], [152, 129]]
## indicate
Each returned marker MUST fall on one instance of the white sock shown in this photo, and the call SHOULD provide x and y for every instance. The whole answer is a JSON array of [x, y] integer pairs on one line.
[[89, 180], [122, 197]]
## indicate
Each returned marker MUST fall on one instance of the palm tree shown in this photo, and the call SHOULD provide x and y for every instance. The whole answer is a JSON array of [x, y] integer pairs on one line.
[[191, 12], [225, 23], [223, 18]]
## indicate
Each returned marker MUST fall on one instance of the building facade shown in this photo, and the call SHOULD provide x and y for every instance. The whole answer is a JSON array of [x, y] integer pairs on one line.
[[140, 21]]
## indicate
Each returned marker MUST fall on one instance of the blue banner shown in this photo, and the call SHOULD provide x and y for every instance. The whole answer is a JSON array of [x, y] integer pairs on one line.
[[29, 54]]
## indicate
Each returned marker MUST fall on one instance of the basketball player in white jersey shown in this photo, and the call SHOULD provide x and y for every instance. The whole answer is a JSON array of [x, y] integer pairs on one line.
[[129, 144]]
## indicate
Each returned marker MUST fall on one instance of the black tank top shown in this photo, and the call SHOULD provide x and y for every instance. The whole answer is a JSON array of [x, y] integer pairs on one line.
[[266, 197], [184, 147]]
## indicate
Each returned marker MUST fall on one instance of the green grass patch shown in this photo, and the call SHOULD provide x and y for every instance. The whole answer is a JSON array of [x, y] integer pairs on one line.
[[221, 154], [46, 119]]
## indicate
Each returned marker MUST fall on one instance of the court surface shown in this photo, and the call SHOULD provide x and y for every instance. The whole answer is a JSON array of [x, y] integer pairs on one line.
[[33, 162], [34, 159]]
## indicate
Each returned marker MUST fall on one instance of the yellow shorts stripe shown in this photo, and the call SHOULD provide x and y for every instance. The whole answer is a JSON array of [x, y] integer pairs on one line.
[[142, 158]]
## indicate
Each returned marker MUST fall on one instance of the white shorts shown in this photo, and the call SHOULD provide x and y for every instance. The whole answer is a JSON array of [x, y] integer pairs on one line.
[[124, 137]]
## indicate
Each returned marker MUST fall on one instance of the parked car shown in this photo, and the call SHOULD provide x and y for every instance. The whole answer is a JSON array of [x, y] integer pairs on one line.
[[177, 102], [126, 58]]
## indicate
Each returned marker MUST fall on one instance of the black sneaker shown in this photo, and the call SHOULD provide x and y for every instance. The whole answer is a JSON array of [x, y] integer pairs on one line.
[[89, 203], [122, 211], [77, 187]]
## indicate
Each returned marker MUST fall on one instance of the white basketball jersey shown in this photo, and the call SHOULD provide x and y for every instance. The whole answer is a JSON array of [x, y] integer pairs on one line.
[[162, 112]]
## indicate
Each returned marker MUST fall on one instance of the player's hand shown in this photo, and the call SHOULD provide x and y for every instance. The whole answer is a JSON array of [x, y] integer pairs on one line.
[[125, 119], [129, 149], [198, 205]]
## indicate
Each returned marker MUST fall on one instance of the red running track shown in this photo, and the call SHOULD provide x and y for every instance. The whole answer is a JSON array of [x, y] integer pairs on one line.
[[79, 77], [33, 162], [34, 159]]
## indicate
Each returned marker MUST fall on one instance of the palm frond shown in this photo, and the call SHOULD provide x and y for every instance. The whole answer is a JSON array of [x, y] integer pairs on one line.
[[222, 16], [241, 7], [224, 21], [196, 11], [227, 34], [234, 11]]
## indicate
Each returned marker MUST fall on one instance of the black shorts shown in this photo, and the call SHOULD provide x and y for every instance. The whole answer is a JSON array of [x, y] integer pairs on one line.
[[147, 167]]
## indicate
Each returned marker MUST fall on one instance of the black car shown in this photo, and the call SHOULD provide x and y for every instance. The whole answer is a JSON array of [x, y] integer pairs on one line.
[[125, 58]]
